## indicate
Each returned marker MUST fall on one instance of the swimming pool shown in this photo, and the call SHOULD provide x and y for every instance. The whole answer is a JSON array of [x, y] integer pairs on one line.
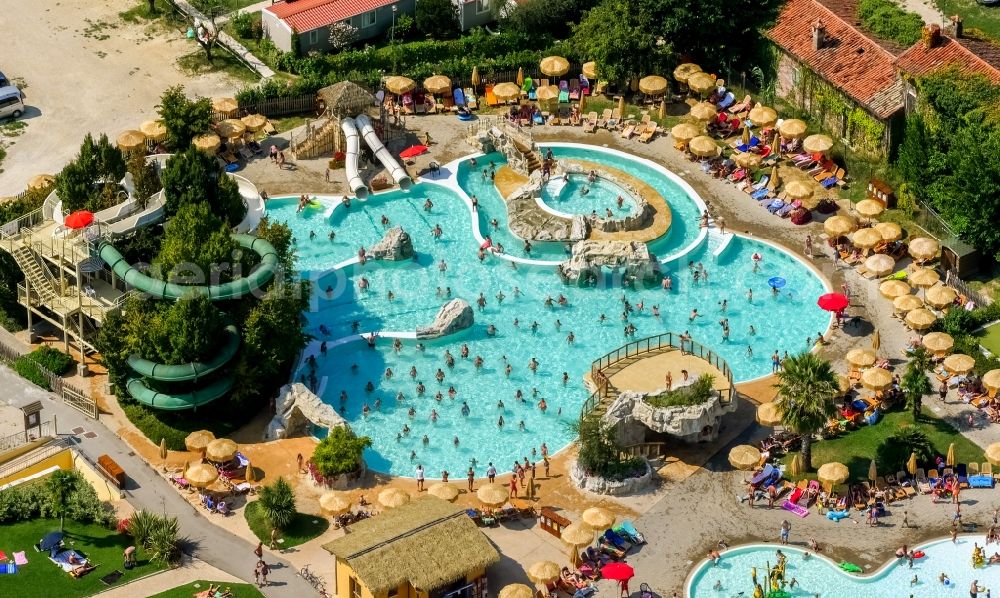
[[568, 197], [512, 292], [820, 576]]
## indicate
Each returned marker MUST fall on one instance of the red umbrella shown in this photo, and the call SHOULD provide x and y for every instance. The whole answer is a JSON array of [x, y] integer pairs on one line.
[[617, 571], [79, 219], [413, 151], [833, 302]]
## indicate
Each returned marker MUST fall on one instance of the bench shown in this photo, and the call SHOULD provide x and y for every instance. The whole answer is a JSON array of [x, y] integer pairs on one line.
[[552, 522], [112, 470]]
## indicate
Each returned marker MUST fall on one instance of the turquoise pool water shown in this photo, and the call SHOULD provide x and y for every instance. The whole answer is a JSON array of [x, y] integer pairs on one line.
[[567, 196], [416, 286], [819, 576]]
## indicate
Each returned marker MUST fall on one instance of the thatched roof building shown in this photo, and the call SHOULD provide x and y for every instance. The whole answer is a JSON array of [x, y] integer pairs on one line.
[[346, 99], [427, 543]]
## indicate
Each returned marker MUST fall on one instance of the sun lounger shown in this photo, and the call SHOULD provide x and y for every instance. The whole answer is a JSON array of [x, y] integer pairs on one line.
[[629, 130], [648, 134], [787, 209], [615, 120], [470, 99], [590, 125], [630, 531], [775, 205], [563, 91], [726, 101], [602, 121], [574, 89], [743, 106], [794, 507], [491, 98], [269, 128]]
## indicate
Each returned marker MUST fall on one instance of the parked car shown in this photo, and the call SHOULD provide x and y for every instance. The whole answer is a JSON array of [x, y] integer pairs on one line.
[[989, 2], [4, 81], [11, 102]]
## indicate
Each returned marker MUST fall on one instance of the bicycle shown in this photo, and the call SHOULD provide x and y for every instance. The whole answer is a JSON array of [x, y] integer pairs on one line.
[[314, 580]]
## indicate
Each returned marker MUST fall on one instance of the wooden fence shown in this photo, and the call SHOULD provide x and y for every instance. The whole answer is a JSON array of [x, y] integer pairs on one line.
[[71, 395]]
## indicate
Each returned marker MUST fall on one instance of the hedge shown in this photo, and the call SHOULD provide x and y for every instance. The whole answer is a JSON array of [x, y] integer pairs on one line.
[[52, 359], [28, 369], [32, 500]]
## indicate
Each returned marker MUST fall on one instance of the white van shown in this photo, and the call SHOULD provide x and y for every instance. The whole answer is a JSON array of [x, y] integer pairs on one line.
[[11, 103]]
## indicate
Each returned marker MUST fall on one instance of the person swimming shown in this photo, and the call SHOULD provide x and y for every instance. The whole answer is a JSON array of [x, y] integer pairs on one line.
[[465, 409]]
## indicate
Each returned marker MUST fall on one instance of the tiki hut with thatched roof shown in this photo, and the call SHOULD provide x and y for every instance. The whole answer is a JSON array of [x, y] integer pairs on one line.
[[345, 99], [424, 546]]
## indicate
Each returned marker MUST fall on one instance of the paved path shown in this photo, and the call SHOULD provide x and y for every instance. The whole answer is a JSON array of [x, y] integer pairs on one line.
[[147, 489]]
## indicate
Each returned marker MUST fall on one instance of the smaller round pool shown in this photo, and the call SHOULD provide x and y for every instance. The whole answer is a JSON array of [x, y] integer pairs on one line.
[[575, 194]]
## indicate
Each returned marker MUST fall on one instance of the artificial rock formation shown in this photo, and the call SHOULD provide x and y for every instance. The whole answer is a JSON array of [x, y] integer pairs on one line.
[[453, 316], [635, 259], [394, 246], [296, 409], [694, 423]]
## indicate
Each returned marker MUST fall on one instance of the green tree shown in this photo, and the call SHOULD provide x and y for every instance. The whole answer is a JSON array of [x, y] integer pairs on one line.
[[893, 452], [279, 235], [190, 330], [437, 19], [340, 452], [277, 502], [155, 533], [600, 453], [144, 177], [806, 388], [184, 119], [915, 384], [193, 176], [61, 485], [196, 247], [97, 168], [542, 17]]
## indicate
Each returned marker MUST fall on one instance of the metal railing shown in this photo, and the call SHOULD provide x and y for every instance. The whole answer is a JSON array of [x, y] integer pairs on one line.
[[71, 395], [9, 443], [23, 462]]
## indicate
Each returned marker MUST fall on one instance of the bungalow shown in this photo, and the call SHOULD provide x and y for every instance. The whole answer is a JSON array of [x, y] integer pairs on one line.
[[311, 20], [428, 548], [474, 13]]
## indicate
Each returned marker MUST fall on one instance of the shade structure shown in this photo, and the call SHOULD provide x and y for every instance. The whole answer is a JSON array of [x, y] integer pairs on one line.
[[78, 219], [198, 441], [880, 264], [413, 151], [861, 357], [798, 190], [251, 472], [701, 82], [833, 301], [617, 571], [131, 140], [938, 342], [744, 456], [872, 471], [890, 231], [589, 70], [876, 379], [817, 143], [225, 105], [869, 208], [392, 498], [543, 572], [399, 85], [163, 448], [924, 277], [795, 466], [745, 137], [684, 71], [991, 380], [763, 116], [768, 414], [506, 91], [923, 248], [838, 226], [208, 143], [653, 85], [866, 238], [154, 130], [772, 184], [844, 383], [920, 319], [793, 128], [907, 303], [703, 111], [41, 181], [993, 453], [492, 494], [437, 84], [579, 534], [231, 128], [833, 473], [598, 518], [748, 159], [949, 459], [703, 146], [201, 475], [254, 122], [686, 131], [474, 78], [554, 66], [959, 363], [444, 490], [911, 463], [516, 590], [940, 296], [891, 289], [547, 93], [335, 503], [621, 104], [520, 76], [876, 340], [221, 450]]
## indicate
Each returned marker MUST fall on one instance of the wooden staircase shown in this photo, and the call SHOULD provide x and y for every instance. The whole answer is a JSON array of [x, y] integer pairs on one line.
[[41, 280], [317, 140]]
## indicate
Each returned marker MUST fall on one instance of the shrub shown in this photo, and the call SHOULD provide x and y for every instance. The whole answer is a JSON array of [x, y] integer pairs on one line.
[[893, 453], [183, 118], [277, 503], [156, 533], [246, 24], [29, 370], [437, 19], [600, 453], [340, 452], [888, 21], [52, 359], [33, 500], [694, 394]]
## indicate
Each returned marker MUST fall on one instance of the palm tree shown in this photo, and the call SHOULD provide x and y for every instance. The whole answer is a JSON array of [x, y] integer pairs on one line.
[[806, 388], [915, 383], [61, 485]]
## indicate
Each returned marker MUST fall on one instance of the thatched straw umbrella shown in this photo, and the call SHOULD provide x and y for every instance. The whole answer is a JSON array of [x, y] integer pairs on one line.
[[843, 384], [703, 111], [880, 264], [399, 85], [701, 82], [437, 84], [684, 71], [866, 238], [817, 144], [993, 453], [959, 363], [920, 319], [838, 226], [911, 463], [154, 130], [251, 473], [862, 357], [554, 66], [474, 79], [598, 518], [795, 467], [798, 190], [543, 572], [221, 450], [831, 474], [949, 459], [516, 590], [444, 490], [685, 132], [869, 208], [991, 380], [891, 289], [876, 379], [653, 85], [703, 146], [208, 143], [201, 475], [744, 457], [576, 536], [225, 105], [907, 303], [520, 76], [392, 498], [231, 128], [131, 140], [940, 296], [198, 441], [254, 122], [938, 342], [890, 231], [792, 128], [872, 471], [748, 160], [923, 248], [763, 116], [41, 181], [492, 495], [335, 503], [923, 277], [769, 415], [506, 91], [589, 70]]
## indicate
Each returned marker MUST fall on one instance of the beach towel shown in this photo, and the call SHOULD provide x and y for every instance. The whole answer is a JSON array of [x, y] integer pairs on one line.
[[62, 559], [112, 577], [795, 508], [8, 569], [3, 556], [763, 475], [19, 558]]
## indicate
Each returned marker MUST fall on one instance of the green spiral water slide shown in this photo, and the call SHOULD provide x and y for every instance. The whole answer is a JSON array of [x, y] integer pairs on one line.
[[192, 371]]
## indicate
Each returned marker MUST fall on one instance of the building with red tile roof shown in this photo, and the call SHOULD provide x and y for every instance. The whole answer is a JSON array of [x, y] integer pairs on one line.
[[937, 51], [311, 20]]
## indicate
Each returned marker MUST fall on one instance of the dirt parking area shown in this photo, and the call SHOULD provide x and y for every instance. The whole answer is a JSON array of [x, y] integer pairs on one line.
[[84, 69]]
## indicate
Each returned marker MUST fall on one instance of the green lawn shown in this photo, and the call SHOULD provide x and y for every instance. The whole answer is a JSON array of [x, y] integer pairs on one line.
[[195, 63], [857, 448], [986, 18], [42, 579], [302, 528], [239, 590], [991, 339]]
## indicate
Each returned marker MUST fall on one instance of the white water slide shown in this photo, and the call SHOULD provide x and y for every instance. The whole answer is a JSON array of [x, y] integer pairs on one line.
[[354, 180], [368, 132]]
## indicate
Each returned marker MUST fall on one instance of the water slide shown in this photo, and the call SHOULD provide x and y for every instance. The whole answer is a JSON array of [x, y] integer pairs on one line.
[[351, 159], [178, 402], [398, 172], [194, 370]]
